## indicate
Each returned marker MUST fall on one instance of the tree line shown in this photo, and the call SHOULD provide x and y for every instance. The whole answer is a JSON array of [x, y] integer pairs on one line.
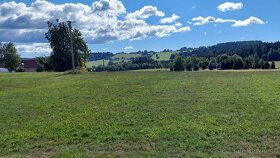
[[193, 63], [265, 50], [144, 62], [221, 62]]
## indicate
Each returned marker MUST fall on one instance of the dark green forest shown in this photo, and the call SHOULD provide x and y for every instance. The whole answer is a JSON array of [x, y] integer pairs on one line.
[[264, 50]]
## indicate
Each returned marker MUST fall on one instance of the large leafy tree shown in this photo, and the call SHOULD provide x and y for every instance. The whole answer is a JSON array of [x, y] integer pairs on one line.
[[238, 62], [178, 63], [9, 58], [43, 64], [58, 36]]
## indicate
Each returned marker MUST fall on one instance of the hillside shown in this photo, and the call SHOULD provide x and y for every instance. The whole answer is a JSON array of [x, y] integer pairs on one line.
[[125, 56], [140, 114], [242, 48], [265, 50], [96, 63], [164, 56]]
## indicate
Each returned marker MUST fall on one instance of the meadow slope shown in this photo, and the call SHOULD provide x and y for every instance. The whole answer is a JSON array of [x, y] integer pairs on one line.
[[140, 114]]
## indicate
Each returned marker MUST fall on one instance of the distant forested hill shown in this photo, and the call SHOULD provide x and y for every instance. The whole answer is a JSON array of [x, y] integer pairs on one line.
[[265, 50], [100, 56], [241, 48]]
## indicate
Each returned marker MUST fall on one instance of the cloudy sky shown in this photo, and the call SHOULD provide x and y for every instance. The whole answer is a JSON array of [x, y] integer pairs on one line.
[[132, 25]]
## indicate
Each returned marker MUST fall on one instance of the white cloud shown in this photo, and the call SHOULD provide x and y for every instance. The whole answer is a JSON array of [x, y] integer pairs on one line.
[[145, 13], [184, 29], [108, 7], [251, 20], [33, 49], [178, 24], [237, 23], [228, 6], [202, 21], [103, 21], [169, 20], [205, 33], [220, 20], [128, 47], [206, 20]]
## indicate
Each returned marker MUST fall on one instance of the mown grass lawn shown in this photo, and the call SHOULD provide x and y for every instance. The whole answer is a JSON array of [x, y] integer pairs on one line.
[[140, 114]]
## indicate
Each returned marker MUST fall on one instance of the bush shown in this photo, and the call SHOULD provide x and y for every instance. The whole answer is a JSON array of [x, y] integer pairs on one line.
[[39, 69], [272, 66], [178, 63], [188, 67], [171, 69], [238, 62], [203, 67], [210, 67], [196, 68], [99, 68], [246, 65], [20, 69], [266, 65]]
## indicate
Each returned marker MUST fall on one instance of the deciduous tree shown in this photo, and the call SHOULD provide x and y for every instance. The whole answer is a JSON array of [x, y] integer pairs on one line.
[[178, 63], [58, 36], [9, 58]]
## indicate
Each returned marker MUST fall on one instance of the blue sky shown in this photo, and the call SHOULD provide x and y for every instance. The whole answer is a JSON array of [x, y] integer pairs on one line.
[[263, 25]]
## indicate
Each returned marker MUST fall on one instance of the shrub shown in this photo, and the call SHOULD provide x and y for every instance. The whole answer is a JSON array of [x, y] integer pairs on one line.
[[196, 68], [178, 63], [272, 66], [39, 69], [203, 67], [210, 67]]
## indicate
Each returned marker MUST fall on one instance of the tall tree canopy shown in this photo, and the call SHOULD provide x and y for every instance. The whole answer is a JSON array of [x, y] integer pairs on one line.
[[178, 63], [9, 58], [58, 36]]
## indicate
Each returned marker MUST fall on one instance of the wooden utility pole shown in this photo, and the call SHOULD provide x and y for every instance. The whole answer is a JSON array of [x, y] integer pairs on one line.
[[71, 44], [103, 60]]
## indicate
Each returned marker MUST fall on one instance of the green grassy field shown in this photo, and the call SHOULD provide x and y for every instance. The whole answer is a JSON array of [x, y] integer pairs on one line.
[[115, 59], [96, 63], [125, 56], [140, 114], [163, 56]]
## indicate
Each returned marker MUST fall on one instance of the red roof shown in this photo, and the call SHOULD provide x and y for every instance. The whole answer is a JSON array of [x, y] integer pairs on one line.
[[32, 63]]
